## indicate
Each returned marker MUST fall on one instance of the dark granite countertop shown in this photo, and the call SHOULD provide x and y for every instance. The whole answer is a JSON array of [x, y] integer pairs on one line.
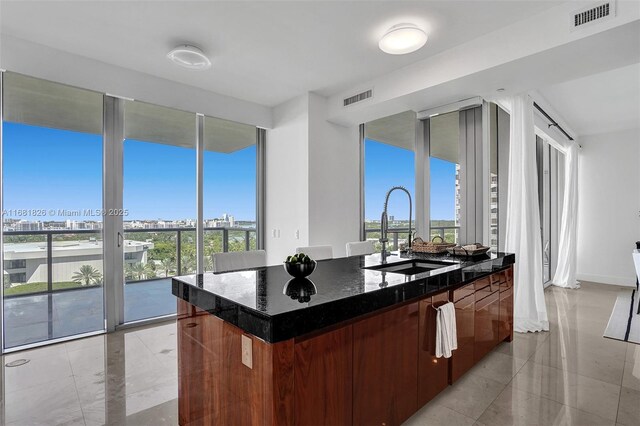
[[269, 304]]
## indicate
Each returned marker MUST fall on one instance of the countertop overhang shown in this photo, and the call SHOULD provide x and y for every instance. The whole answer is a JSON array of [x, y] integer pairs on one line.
[[271, 305]]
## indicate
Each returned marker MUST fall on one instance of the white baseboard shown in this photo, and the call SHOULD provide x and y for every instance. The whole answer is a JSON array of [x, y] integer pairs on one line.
[[608, 279]]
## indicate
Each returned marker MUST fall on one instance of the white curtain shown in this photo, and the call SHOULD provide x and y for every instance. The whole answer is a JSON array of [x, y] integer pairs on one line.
[[522, 235], [565, 275]]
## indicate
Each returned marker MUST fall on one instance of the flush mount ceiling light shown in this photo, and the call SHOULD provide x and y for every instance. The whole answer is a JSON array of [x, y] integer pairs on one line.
[[402, 38], [189, 57]]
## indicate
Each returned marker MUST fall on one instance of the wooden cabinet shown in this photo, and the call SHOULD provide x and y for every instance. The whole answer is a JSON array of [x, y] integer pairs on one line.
[[216, 387], [506, 305], [378, 370], [463, 357], [199, 403], [323, 385], [486, 324], [385, 367], [433, 373]]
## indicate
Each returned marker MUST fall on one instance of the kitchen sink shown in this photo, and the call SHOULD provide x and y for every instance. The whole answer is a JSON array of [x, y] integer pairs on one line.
[[411, 267]]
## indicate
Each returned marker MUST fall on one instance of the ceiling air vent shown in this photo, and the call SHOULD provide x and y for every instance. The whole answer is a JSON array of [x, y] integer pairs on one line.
[[358, 98], [593, 13]]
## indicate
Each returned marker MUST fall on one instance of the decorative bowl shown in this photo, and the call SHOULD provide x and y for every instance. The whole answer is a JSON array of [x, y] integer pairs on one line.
[[300, 289], [299, 269]]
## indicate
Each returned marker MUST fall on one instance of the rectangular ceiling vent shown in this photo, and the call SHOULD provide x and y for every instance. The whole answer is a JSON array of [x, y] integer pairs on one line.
[[358, 98], [594, 13]]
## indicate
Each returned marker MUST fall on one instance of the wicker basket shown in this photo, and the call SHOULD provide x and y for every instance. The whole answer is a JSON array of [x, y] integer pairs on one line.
[[433, 247]]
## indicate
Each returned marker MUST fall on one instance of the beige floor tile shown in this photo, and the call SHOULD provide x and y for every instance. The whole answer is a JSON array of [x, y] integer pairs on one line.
[[152, 397], [499, 367], [633, 353], [524, 345], [516, 407], [55, 402], [584, 393], [165, 413], [631, 375], [40, 370], [470, 395], [438, 415], [629, 409], [598, 358]]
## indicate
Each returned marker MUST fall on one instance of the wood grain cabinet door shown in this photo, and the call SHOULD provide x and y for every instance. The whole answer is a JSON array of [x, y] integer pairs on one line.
[[487, 324], [433, 373], [506, 314], [199, 361], [385, 364], [463, 357], [323, 385]]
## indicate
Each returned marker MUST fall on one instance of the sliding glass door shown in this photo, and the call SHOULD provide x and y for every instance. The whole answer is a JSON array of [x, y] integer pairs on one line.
[[78, 166], [549, 163], [444, 166], [159, 201], [389, 160], [229, 188], [52, 211]]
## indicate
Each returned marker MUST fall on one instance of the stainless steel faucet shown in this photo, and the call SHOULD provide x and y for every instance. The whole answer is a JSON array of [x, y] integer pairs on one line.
[[384, 222]]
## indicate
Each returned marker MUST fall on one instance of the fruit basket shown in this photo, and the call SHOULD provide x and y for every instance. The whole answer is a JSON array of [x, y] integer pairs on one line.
[[433, 247], [469, 250]]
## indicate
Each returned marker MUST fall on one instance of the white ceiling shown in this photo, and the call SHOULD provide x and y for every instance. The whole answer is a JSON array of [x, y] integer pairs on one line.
[[599, 103], [265, 52]]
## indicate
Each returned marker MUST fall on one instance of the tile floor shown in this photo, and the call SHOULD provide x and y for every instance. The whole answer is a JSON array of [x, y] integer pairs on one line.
[[568, 376]]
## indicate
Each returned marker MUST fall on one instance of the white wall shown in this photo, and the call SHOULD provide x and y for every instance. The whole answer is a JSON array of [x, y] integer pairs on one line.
[[608, 206], [312, 180], [51, 64], [334, 180], [287, 184]]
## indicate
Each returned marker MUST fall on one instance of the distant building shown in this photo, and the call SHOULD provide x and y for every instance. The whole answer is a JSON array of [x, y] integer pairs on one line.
[[27, 225], [27, 262]]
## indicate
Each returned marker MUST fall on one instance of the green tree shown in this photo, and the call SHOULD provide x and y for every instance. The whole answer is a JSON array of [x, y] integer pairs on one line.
[[140, 271], [188, 264], [87, 275], [168, 265]]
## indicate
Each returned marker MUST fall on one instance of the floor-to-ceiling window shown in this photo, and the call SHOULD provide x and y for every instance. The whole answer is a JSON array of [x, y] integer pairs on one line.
[[444, 166], [230, 182], [548, 161], [69, 156], [159, 200], [52, 211], [389, 160]]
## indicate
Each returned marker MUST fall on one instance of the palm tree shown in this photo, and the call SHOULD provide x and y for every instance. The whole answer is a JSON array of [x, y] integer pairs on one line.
[[87, 275], [188, 264], [168, 265], [140, 271], [135, 271]]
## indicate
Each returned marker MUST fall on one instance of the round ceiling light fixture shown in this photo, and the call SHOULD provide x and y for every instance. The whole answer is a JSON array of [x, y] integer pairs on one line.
[[189, 57], [402, 39]]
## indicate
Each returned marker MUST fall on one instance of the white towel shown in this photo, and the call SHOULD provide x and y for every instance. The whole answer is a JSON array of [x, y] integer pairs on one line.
[[446, 335]]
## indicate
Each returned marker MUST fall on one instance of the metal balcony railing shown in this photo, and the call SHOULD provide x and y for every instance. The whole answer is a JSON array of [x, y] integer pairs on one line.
[[234, 239], [395, 234]]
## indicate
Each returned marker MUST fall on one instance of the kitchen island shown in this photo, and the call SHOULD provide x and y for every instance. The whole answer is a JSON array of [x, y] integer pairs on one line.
[[352, 344]]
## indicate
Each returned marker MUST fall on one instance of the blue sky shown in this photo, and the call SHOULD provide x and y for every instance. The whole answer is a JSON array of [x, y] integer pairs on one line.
[[58, 169], [387, 166]]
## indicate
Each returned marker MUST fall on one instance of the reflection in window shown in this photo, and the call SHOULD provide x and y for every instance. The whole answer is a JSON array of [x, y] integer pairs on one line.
[[389, 160], [159, 195], [52, 182], [444, 206], [229, 187]]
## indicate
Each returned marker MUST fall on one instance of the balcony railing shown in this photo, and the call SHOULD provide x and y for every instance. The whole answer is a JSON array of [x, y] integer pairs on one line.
[[448, 233], [177, 246]]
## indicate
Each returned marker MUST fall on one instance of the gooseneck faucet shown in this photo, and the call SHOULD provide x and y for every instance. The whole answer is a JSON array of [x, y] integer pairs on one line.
[[384, 222]]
